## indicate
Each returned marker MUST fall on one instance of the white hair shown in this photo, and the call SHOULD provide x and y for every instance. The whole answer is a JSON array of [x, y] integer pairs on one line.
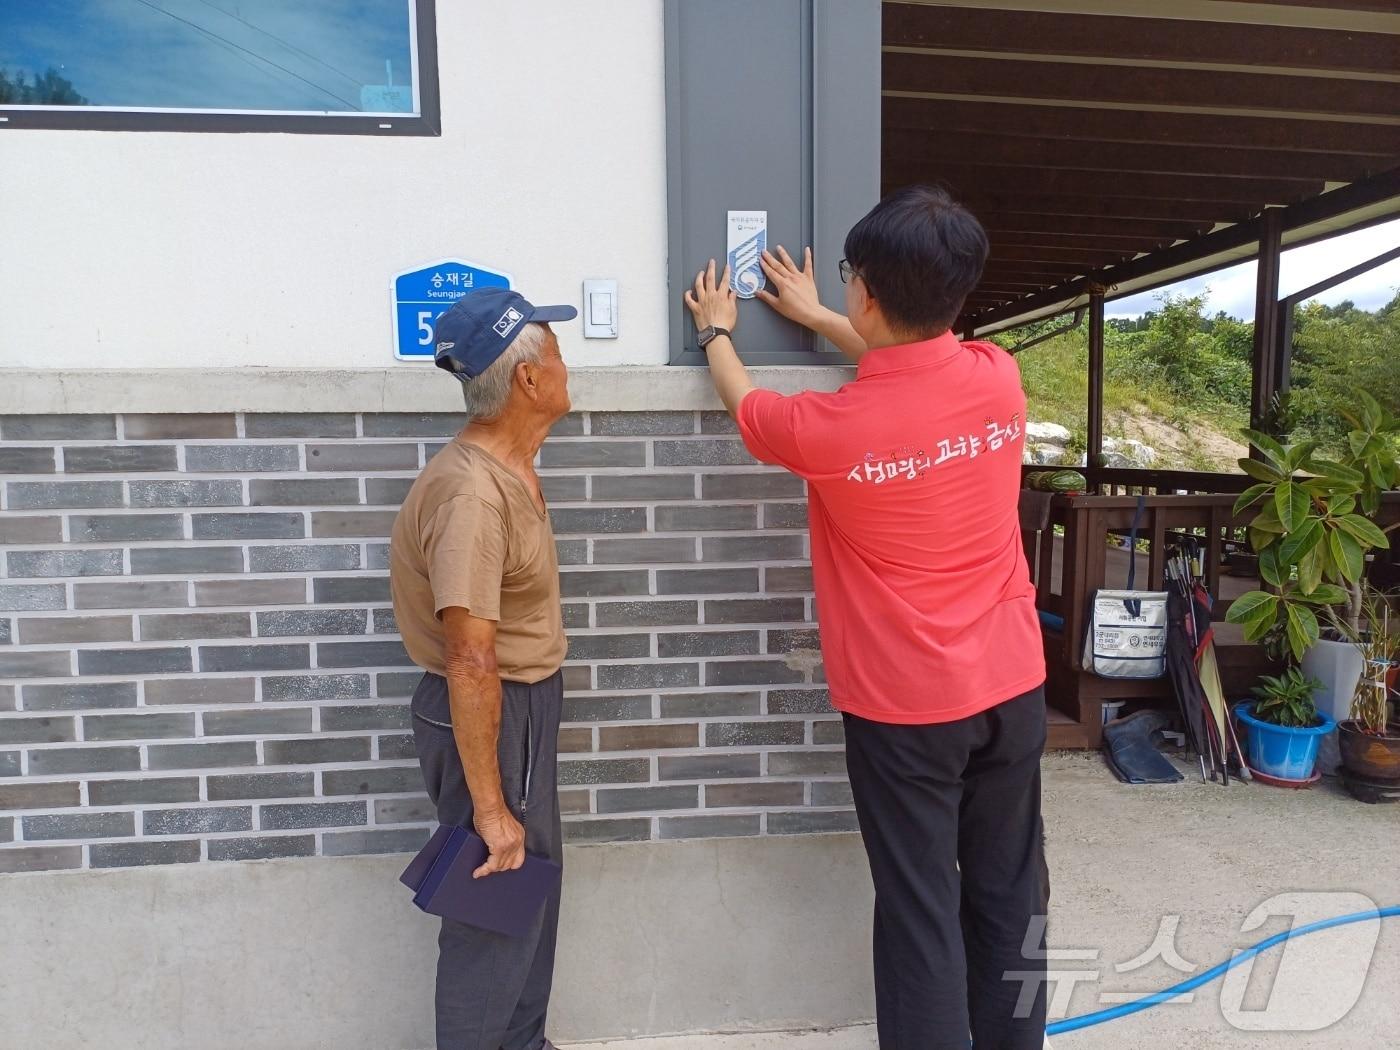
[[487, 395]]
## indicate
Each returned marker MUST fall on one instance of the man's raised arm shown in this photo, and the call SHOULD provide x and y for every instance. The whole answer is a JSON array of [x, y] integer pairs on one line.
[[715, 308]]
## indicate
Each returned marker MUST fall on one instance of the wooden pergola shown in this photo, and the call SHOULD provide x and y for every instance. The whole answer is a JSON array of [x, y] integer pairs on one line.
[[1115, 146]]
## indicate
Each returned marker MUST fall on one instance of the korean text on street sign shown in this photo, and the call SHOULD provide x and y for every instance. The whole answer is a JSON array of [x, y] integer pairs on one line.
[[423, 295]]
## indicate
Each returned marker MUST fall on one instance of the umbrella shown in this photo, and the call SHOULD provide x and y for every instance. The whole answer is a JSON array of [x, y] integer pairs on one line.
[[1192, 665], [1222, 725], [1181, 667]]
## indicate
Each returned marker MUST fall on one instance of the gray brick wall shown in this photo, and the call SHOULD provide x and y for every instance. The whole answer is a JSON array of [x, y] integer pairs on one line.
[[198, 661]]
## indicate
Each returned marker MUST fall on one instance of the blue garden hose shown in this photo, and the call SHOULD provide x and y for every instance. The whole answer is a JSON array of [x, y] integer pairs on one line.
[[1073, 1024]]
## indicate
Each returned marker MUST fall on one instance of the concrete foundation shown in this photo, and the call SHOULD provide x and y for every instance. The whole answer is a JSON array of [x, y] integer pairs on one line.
[[724, 935], [329, 952]]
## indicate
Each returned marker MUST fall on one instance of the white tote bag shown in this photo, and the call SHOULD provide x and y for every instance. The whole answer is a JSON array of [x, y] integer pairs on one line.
[[1127, 635]]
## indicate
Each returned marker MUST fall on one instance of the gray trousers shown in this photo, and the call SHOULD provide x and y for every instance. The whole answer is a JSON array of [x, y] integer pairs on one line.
[[493, 990]]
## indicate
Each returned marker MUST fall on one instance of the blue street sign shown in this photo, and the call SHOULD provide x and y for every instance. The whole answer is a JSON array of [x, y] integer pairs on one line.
[[422, 296]]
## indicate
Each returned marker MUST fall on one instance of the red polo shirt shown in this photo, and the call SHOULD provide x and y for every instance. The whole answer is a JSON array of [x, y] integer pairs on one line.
[[914, 472]]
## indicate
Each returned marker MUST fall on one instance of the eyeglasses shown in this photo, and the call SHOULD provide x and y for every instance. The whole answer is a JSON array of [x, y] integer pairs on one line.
[[847, 271]]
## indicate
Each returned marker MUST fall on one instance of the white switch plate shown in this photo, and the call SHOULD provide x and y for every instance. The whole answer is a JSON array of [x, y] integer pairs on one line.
[[600, 309]]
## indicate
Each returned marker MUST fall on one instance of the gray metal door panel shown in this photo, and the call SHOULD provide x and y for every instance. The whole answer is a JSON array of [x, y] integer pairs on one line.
[[771, 106]]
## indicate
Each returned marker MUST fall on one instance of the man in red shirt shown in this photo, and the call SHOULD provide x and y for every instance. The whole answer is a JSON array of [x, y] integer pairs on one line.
[[930, 636]]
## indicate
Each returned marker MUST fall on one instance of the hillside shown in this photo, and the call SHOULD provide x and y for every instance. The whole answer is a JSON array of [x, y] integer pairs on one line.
[[1178, 381]]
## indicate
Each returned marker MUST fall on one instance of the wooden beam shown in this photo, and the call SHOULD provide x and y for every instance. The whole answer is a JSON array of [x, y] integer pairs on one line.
[[1266, 379], [1288, 309], [995, 290], [1004, 271], [1002, 281], [985, 203], [1119, 245], [1096, 378], [908, 146], [1037, 269], [1235, 43], [1302, 295], [1139, 85], [1013, 224], [1383, 6], [966, 176], [953, 117], [1024, 284], [1086, 258], [1070, 255], [1010, 289], [1327, 206], [1027, 269], [1378, 188]]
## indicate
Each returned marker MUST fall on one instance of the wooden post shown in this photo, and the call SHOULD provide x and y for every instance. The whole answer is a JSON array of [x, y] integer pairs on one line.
[[1266, 329], [1074, 555], [1283, 354], [1096, 322], [1157, 555]]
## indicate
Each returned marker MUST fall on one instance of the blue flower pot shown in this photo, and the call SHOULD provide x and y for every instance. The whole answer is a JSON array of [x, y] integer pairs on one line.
[[1282, 751]]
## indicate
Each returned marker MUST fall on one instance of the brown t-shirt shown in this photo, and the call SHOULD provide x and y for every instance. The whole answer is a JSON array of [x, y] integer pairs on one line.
[[470, 534]]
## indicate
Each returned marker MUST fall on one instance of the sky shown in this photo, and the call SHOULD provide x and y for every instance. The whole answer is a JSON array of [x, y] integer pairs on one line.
[[1232, 290], [312, 55]]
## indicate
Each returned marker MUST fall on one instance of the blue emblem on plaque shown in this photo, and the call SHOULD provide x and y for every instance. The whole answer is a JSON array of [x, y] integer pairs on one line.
[[748, 240]]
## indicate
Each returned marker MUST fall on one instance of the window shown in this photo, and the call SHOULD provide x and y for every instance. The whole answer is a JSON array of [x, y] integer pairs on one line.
[[333, 66]]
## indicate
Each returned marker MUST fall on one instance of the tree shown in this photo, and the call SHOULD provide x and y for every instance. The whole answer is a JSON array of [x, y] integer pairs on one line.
[[40, 89], [1232, 338], [1335, 351], [1195, 357]]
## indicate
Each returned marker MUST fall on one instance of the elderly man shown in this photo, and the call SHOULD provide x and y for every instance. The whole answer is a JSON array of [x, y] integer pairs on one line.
[[475, 582], [928, 623]]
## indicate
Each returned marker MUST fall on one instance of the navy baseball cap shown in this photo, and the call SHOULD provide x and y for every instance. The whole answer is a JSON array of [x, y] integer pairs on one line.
[[479, 327]]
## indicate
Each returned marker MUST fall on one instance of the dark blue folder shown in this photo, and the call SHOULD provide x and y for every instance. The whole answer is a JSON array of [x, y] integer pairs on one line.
[[507, 902]]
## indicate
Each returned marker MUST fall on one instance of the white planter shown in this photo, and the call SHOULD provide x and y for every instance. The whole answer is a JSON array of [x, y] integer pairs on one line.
[[1338, 666]]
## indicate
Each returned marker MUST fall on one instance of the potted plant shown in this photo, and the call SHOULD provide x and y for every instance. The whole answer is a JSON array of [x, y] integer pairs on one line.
[[1313, 533], [1284, 726], [1369, 741]]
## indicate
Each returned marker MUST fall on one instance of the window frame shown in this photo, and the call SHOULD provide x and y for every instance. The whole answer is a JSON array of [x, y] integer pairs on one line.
[[427, 122]]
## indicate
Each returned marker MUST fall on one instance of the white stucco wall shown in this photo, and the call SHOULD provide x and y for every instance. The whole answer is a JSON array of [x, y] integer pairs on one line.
[[139, 250]]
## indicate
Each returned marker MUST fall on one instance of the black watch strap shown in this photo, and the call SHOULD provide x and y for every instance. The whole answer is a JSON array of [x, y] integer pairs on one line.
[[708, 334]]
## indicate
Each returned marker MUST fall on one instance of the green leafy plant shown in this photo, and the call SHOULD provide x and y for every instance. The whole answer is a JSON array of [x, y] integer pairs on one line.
[[1315, 527], [1287, 699]]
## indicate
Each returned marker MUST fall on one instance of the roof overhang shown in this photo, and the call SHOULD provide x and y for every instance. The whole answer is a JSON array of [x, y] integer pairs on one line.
[[1103, 143], [1219, 250]]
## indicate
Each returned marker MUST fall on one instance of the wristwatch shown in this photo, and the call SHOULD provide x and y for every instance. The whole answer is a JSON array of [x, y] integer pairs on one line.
[[708, 333]]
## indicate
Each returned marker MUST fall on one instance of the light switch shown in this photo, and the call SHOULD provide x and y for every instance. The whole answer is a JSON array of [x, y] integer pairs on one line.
[[600, 309]]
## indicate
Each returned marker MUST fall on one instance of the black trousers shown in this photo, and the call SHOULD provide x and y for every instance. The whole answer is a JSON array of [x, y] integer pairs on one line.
[[950, 815], [493, 990]]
